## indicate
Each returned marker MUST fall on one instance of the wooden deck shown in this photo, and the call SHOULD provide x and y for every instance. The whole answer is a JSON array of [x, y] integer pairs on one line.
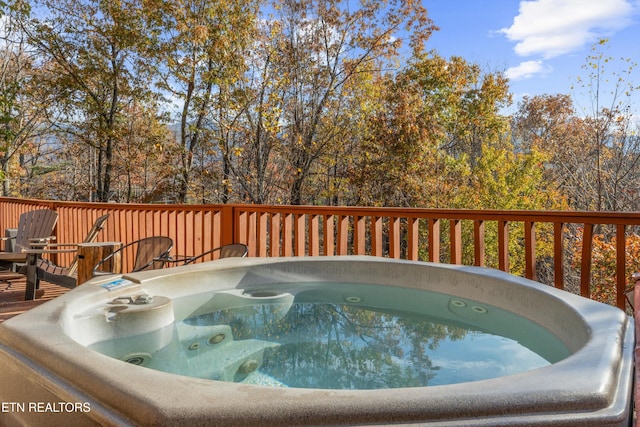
[[12, 288]]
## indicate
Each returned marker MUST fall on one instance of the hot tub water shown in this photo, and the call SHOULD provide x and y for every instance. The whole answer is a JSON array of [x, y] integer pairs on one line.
[[343, 336]]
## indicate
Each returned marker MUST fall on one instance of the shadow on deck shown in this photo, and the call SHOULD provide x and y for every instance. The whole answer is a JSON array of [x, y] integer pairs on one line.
[[12, 288]]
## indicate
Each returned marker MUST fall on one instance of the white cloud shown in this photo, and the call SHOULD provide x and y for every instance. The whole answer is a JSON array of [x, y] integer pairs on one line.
[[551, 28], [526, 70]]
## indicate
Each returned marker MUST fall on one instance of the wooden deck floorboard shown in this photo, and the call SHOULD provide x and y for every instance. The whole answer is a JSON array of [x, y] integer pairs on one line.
[[12, 288]]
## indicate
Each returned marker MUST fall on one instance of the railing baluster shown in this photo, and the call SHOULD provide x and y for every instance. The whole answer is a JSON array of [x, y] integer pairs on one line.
[[558, 255], [479, 246], [359, 232], [211, 230], [434, 239], [394, 237], [314, 235], [455, 238], [343, 234], [585, 272], [242, 228], [275, 238], [287, 232], [191, 246], [376, 236], [299, 234], [329, 239], [252, 230], [621, 263], [412, 238], [530, 249], [262, 234], [503, 245]]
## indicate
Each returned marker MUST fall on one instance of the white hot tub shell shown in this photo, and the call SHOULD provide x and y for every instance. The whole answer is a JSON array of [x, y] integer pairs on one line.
[[48, 376]]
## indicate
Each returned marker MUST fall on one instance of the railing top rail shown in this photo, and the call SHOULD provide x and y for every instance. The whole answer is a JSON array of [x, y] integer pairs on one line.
[[628, 218], [591, 217]]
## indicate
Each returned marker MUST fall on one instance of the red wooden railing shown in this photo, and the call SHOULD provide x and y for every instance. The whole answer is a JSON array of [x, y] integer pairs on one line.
[[327, 230]]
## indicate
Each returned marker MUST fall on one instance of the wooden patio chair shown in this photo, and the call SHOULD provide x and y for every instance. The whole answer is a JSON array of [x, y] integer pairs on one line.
[[63, 276], [34, 227], [151, 254], [226, 251]]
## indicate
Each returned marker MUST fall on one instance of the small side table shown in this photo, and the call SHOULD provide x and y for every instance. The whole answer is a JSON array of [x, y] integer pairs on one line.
[[90, 254]]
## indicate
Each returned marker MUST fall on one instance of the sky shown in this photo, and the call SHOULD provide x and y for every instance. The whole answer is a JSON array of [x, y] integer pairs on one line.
[[541, 45]]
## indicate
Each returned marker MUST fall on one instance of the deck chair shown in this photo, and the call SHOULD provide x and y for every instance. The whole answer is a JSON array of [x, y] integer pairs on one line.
[[226, 251], [151, 254], [65, 276], [33, 226]]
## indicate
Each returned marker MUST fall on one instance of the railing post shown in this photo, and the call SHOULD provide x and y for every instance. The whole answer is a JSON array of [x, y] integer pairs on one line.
[[228, 225]]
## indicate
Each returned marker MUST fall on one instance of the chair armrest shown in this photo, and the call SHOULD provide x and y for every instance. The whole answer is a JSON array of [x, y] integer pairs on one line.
[[38, 246], [49, 251], [174, 259], [36, 243], [41, 240], [59, 245]]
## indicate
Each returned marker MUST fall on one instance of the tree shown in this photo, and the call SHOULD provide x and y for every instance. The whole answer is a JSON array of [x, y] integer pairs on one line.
[[198, 47], [323, 45], [250, 122], [610, 139], [142, 160], [94, 46], [507, 180], [435, 118], [23, 101]]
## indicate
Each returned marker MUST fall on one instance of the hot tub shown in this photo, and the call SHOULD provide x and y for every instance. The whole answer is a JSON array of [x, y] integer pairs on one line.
[[54, 371]]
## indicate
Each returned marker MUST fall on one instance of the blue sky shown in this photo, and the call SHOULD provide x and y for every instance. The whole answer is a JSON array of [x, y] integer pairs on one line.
[[540, 44]]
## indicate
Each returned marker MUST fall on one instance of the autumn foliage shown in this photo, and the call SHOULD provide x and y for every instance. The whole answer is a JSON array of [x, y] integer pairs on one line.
[[603, 271], [300, 102]]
